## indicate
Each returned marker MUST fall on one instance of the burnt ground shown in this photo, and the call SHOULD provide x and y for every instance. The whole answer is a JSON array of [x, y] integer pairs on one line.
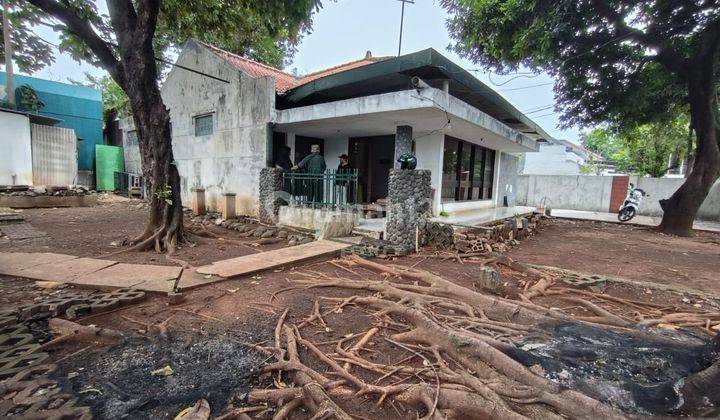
[[207, 333]]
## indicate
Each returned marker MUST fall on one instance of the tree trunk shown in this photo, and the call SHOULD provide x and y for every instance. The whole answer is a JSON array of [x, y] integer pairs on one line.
[[139, 79], [680, 209]]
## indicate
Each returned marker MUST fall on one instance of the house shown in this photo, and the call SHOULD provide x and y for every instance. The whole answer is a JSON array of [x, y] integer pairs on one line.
[[36, 151], [559, 157], [230, 115], [75, 107]]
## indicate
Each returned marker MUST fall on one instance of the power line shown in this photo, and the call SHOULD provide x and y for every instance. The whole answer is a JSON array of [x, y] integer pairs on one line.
[[526, 87]]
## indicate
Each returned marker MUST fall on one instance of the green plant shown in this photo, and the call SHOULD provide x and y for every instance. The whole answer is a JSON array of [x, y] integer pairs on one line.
[[28, 99], [444, 214], [165, 195]]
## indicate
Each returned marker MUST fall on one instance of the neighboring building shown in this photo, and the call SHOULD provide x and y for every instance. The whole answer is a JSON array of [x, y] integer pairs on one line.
[[226, 128], [75, 107], [559, 157], [35, 151]]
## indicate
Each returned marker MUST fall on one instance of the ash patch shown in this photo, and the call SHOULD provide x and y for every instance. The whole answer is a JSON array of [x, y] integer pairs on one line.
[[637, 373], [117, 382]]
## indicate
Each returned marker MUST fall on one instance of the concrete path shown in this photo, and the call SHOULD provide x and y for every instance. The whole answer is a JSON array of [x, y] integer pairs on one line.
[[637, 220], [89, 272], [107, 274], [249, 264]]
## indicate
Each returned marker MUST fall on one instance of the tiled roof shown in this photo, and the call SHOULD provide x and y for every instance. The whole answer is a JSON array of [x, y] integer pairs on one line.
[[285, 81]]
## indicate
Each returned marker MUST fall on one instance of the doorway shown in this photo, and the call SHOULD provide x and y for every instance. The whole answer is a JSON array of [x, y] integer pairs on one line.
[[373, 158], [302, 147]]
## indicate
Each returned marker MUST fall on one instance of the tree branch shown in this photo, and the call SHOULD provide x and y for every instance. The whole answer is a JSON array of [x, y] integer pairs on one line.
[[82, 28], [665, 54]]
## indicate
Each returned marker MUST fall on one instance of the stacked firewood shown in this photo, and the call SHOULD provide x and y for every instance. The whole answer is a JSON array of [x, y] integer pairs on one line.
[[494, 238]]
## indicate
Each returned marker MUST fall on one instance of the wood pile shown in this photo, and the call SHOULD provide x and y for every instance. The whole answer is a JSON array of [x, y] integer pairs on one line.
[[494, 238]]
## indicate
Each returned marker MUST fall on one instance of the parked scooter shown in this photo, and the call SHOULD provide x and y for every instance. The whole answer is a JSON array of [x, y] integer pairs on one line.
[[631, 205]]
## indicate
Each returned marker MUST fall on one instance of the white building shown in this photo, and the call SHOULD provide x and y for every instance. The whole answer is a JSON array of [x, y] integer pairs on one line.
[[231, 115], [559, 157]]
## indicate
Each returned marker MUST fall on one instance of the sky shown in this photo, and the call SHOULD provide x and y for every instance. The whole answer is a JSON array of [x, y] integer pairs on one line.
[[344, 30]]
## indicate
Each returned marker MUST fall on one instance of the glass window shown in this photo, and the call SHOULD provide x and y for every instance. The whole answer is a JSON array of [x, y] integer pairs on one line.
[[450, 165], [468, 171], [203, 125], [131, 138]]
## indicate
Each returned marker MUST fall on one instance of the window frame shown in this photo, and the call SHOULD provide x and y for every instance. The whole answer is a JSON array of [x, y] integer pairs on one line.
[[204, 115], [470, 189]]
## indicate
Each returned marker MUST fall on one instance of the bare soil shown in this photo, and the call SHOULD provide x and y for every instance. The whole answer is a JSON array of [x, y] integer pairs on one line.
[[632, 252], [100, 232], [217, 322]]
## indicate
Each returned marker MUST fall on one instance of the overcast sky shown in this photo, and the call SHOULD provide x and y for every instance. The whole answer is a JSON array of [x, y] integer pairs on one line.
[[345, 29]]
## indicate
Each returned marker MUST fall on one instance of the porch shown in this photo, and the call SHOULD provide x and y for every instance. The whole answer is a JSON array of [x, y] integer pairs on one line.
[[460, 145]]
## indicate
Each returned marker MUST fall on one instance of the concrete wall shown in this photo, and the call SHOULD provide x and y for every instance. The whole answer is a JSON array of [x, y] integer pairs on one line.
[[230, 159], [429, 153], [592, 193], [16, 161], [552, 159]]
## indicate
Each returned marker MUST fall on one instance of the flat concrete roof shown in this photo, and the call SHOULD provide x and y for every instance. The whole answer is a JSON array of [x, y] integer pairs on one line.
[[426, 110]]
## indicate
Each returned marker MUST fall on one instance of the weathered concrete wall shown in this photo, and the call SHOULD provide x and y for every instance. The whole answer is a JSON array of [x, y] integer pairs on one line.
[[507, 173], [16, 162], [230, 159], [429, 154], [318, 219], [408, 206], [592, 193]]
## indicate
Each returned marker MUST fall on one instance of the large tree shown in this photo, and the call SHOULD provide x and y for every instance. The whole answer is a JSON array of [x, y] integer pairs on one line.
[[618, 61], [127, 43]]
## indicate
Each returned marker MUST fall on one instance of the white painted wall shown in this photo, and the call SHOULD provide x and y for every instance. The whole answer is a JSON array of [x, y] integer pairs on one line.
[[16, 160], [334, 147], [592, 193], [230, 159], [552, 159], [429, 154]]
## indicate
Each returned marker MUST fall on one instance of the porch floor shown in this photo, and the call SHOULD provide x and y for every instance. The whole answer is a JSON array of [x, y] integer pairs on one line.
[[483, 216]]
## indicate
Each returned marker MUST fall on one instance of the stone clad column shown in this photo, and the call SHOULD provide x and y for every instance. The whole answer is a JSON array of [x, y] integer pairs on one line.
[[270, 194], [408, 207], [403, 142]]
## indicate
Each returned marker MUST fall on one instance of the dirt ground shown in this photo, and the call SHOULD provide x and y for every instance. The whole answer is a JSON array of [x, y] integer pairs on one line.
[[99, 231], [633, 252], [210, 335]]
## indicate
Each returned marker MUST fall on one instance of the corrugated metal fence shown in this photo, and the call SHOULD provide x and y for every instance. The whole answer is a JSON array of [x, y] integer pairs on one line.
[[54, 155]]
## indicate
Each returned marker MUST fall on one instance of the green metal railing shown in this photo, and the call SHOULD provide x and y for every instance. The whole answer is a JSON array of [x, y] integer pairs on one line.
[[331, 188]]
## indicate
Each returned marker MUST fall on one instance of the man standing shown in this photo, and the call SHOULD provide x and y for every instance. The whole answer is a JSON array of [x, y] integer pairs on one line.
[[344, 173], [313, 164]]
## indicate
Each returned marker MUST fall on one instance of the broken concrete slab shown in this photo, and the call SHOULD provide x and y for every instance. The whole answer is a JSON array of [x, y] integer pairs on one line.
[[150, 278], [66, 271], [13, 263], [249, 264]]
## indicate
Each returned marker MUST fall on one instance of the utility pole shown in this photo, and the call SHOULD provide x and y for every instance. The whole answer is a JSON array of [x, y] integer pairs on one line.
[[402, 17], [9, 78]]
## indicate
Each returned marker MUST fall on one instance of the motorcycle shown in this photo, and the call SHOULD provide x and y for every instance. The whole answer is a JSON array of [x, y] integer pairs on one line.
[[631, 205]]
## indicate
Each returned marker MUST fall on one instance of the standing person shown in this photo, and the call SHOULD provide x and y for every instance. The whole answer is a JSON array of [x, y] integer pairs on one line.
[[282, 161], [313, 164], [345, 169]]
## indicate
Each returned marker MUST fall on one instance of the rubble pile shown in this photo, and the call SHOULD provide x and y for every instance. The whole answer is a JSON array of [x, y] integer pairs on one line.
[[49, 191], [253, 228], [482, 239]]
